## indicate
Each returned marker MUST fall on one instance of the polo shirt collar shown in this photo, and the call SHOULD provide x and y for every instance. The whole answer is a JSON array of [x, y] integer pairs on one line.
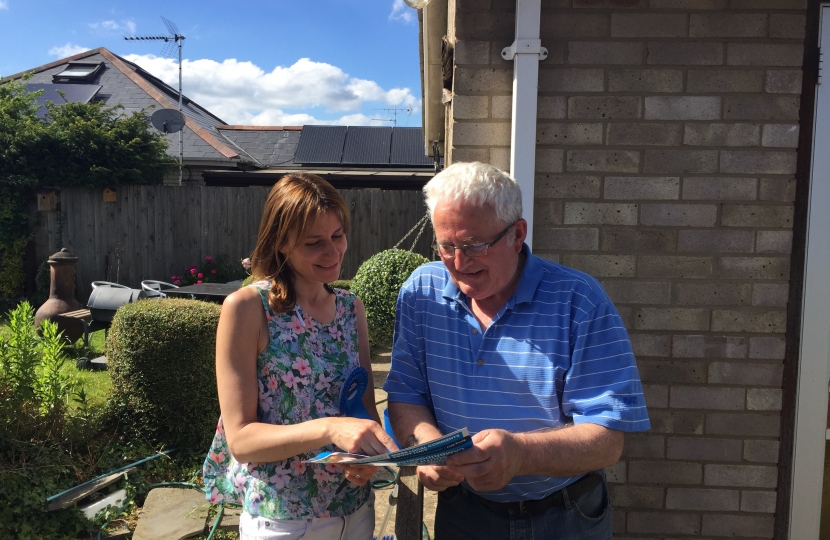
[[531, 276]]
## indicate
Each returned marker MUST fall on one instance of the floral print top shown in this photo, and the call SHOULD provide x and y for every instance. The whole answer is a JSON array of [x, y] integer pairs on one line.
[[300, 376]]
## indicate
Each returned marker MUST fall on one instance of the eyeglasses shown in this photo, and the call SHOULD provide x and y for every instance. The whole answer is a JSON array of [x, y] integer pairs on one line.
[[469, 250]]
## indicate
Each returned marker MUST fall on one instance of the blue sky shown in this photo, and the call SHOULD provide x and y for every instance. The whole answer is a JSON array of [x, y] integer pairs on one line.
[[277, 62]]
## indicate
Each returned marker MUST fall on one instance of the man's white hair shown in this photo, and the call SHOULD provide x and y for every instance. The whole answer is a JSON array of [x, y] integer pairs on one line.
[[479, 184]]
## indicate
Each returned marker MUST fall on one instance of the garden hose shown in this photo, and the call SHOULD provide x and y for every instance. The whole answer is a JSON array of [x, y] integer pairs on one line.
[[124, 468]]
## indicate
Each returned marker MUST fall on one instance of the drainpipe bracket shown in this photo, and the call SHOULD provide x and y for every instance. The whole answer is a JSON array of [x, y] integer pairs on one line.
[[525, 46]]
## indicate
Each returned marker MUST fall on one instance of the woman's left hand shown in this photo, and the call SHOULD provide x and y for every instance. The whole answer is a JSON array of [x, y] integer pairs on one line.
[[359, 474]]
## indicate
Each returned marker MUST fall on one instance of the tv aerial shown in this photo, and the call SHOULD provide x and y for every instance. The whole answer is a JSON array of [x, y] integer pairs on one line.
[[172, 41], [394, 111]]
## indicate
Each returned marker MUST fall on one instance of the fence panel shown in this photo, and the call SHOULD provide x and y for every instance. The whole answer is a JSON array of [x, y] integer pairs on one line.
[[154, 232]]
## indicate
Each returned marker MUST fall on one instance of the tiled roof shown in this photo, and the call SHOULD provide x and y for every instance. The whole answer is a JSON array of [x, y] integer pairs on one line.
[[207, 140], [272, 146], [124, 83]]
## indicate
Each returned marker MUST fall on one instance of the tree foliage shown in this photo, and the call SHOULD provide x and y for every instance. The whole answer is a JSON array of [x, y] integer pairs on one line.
[[73, 145]]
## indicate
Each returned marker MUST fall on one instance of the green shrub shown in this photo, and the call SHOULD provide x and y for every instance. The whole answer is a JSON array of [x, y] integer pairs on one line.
[[341, 284], [378, 282], [161, 359]]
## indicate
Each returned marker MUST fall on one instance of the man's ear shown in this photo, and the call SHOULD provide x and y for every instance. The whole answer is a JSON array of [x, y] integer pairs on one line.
[[520, 232]]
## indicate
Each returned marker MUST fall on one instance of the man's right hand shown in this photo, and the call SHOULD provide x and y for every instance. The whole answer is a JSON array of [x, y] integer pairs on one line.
[[437, 477]]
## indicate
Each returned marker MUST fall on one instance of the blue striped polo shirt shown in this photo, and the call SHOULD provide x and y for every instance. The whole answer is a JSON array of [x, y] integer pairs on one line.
[[556, 353]]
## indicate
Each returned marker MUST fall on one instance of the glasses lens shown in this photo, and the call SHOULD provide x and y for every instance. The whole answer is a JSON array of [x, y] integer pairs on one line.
[[475, 250], [447, 252]]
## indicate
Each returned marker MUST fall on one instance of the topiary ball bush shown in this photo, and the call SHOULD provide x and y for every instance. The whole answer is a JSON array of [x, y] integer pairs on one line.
[[161, 357], [378, 282]]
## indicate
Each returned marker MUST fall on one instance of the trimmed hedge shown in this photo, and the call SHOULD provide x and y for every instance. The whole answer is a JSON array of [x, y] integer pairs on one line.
[[345, 284], [378, 282], [161, 357]]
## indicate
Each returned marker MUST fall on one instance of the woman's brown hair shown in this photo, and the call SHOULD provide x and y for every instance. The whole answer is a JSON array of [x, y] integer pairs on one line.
[[294, 204]]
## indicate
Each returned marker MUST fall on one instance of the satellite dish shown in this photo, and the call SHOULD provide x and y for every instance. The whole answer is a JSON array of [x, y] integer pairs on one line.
[[167, 120]]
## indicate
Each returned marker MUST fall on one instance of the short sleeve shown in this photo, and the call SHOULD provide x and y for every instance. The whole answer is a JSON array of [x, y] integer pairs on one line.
[[407, 381], [603, 385]]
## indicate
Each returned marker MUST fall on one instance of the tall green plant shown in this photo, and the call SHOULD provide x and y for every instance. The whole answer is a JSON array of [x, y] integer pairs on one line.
[[34, 388]]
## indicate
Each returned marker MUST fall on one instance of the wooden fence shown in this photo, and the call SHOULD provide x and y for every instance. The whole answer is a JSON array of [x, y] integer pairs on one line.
[[153, 232]]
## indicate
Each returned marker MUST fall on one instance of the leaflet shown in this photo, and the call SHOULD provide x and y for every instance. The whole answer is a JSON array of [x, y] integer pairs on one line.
[[433, 452]]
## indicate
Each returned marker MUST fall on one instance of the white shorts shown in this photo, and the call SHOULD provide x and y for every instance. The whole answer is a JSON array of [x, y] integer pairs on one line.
[[358, 525]]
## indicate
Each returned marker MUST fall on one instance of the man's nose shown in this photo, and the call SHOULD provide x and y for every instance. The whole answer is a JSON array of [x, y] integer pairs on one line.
[[460, 261]]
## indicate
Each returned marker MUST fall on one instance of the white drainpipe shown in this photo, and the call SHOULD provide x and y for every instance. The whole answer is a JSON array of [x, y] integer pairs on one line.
[[525, 52]]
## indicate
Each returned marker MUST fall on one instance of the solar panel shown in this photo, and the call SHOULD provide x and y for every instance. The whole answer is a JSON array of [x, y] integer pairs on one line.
[[408, 147], [321, 144], [80, 93], [367, 146]]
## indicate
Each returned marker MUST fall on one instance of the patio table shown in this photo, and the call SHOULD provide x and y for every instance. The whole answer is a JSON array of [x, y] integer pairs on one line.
[[216, 291]]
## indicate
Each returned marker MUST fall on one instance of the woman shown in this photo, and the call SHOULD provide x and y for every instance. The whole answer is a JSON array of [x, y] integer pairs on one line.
[[284, 347]]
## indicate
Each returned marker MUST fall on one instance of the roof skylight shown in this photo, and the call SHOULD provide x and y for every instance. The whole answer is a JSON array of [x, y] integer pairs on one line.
[[77, 71]]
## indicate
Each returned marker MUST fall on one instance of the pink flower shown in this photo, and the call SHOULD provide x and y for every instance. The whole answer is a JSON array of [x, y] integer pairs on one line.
[[296, 325], [208, 258], [200, 275], [177, 282], [213, 272], [321, 475], [290, 380], [332, 468], [272, 383], [301, 365], [198, 281], [246, 263], [298, 466], [193, 271]]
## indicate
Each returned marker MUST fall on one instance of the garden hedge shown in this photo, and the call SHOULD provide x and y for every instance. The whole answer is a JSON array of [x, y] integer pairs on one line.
[[378, 282], [161, 356]]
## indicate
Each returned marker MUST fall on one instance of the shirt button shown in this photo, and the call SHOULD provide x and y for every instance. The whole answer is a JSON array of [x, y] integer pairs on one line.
[[475, 331], [481, 362]]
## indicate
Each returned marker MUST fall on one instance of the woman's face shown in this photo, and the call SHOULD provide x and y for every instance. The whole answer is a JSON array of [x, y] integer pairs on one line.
[[319, 255]]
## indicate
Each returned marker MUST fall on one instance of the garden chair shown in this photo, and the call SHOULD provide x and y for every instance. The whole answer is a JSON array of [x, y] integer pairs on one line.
[[96, 284], [155, 289]]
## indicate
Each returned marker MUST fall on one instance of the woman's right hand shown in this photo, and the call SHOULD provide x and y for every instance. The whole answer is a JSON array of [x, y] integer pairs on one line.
[[359, 436]]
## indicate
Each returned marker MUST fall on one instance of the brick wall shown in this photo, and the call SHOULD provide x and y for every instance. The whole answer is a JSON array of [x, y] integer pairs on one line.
[[666, 149]]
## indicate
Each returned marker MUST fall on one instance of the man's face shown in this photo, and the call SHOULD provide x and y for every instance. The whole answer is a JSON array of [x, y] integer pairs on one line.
[[485, 277]]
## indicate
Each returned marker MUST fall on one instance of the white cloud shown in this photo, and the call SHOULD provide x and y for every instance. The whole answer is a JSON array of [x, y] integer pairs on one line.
[[4, 5], [243, 93], [401, 12], [69, 49], [114, 27]]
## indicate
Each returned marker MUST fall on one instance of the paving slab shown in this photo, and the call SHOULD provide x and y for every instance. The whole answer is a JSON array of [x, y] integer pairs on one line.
[[172, 514], [230, 518]]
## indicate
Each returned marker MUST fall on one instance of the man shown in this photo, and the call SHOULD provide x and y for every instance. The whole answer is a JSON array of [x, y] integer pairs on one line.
[[530, 356]]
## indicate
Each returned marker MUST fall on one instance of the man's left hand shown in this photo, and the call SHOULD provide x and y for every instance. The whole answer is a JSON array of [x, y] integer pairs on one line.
[[491, 463]]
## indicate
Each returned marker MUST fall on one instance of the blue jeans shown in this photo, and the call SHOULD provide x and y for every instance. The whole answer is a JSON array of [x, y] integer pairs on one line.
[[459, 516]]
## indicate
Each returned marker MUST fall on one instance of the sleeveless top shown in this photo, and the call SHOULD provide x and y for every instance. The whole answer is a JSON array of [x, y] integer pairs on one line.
[[300, 375]]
